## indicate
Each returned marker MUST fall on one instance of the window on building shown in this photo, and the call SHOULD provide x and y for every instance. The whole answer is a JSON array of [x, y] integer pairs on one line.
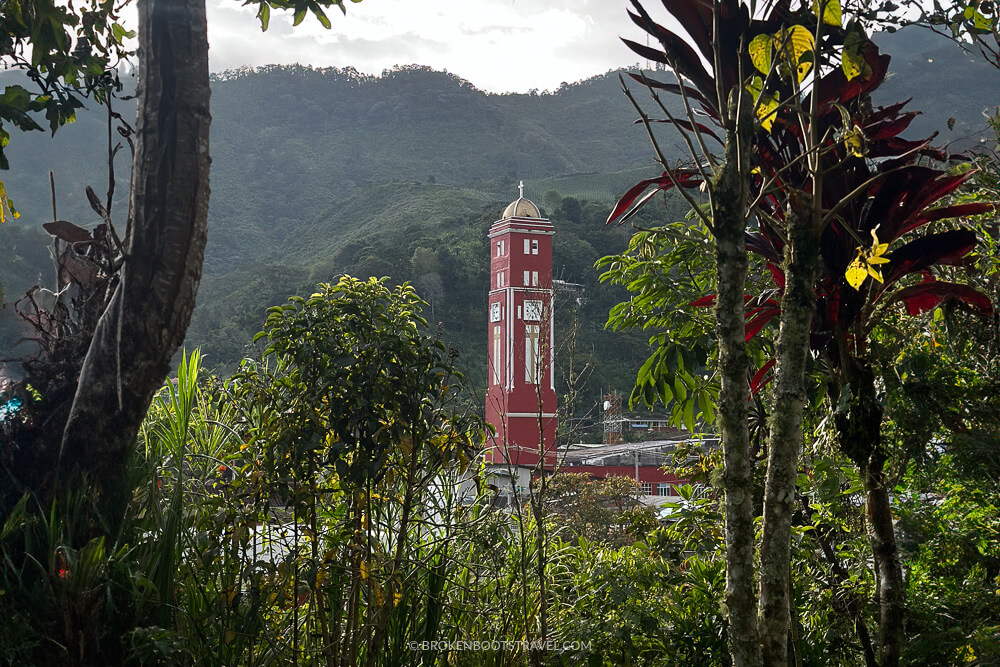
[[646, 488], [503, 247], [499, 278], [532, 371], [527, 246], [527, 275], [534, 247], [498, 248], [664, 489], [534, 279], [496, 354]]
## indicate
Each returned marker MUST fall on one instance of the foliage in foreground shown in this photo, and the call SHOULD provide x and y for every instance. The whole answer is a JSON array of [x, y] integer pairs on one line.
[[279, 517]]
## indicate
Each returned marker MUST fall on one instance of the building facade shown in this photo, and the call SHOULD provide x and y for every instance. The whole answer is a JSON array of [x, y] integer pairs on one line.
[[521, 395]]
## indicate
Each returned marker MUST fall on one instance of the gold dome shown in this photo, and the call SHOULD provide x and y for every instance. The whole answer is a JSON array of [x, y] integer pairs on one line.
[[522, 208]]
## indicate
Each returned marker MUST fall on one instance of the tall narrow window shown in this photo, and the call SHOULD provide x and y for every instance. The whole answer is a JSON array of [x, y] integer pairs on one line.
[[527, 246], [532, 372], [498, 248], [527, 275], [534, 247], [496, 354], [534, 279], [503, 247]]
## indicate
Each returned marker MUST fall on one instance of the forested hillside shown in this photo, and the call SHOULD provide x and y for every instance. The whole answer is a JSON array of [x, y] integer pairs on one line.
[[321, 172]]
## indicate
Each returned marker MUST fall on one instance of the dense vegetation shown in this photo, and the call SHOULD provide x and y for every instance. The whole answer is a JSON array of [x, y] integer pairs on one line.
[[315, 493]]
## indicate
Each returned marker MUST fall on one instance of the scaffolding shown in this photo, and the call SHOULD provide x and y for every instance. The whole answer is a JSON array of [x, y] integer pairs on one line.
[[613, 419]]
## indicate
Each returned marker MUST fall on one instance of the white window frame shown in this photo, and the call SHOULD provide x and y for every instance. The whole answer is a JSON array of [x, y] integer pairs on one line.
[[532, 354], [527, 278], [534, 246], [646, 488], [534, 279], [496, 354], [527, 247]]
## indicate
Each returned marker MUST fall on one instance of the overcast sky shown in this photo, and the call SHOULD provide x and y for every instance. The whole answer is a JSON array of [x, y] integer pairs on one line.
[[498, 45]]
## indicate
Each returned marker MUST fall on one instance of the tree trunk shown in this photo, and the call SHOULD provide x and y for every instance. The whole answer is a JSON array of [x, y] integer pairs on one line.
[[859, 430], [729, 202], [145, 323], [801, 258], [891, 591]]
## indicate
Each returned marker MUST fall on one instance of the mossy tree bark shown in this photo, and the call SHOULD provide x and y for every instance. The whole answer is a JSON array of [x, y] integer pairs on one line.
[[729, 215], [798, 302]]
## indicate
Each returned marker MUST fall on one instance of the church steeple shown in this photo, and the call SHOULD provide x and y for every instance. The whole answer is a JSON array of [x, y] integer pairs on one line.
[[521, 377]]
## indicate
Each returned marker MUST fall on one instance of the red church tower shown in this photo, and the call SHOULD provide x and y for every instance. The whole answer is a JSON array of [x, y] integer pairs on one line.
[[521, 394]]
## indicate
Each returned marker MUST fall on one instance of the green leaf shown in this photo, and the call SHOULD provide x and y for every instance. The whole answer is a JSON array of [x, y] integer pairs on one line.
[[761, 48], [981, 23], [689, 416], [120, 33], [797, 43], [852, 60], [680, 390], [831, 11], [666, 393], [707, 407], [323, 19], [264, 14]]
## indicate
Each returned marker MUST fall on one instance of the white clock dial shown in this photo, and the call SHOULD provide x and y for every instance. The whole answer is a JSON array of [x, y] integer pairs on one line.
[[533, 310], [495, 312]]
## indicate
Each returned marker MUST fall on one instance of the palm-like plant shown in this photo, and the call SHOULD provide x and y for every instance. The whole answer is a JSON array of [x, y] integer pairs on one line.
[[833, 188]]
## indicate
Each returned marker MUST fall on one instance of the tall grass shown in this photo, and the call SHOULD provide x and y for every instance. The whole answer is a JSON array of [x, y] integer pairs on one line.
[[238, 550]]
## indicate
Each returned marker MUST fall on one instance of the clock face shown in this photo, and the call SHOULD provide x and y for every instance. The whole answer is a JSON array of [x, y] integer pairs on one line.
[[533, 310], [495, 312]]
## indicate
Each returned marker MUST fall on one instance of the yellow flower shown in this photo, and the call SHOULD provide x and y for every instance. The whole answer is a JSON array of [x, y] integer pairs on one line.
[[865, 263]]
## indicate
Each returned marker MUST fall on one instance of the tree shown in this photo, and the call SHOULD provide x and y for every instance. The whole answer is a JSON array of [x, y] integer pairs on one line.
[[885, 202], [818, 200], [73, 55], [95, 388], [606, 511], [360, 390], [727, 183], [784, 51]]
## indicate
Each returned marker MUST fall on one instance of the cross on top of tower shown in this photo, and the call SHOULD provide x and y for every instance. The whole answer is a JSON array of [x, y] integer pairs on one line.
[[520, 190]]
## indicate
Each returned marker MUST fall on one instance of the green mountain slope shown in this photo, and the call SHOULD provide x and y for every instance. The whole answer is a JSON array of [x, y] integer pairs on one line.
[[433, 235], [322, 172]]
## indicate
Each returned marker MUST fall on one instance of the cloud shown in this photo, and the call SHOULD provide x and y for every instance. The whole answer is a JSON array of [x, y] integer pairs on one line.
[[498, 45]]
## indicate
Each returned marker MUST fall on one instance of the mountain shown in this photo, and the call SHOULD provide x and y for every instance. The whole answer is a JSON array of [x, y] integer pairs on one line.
[[321, 172], [944, 81]]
